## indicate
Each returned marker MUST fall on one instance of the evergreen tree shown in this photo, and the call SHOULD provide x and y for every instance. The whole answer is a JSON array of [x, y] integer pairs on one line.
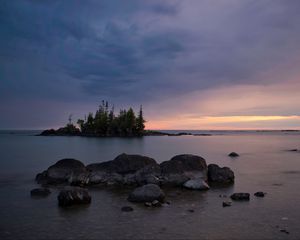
[[140, 122], [105, 123]]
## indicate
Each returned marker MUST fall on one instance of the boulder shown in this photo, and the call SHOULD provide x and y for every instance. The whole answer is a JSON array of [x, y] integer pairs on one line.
[[233, 154], [73, 196], [147, 193], [69, 171], [125, 169], [217, 174], [259, 194], [40, 192], [182, 168], [196, 184], [240, 196]]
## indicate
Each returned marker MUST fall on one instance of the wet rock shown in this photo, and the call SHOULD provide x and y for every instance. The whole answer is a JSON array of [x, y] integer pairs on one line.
[[73, 196], [196, 184], [156, 203], [125, 163], [259, 194], [125, 169], [233, 154], [182, 168], [69, 171], [148, 204], [226, 204], [240, 196], [217, 174], [222, 196], [191, 210], [40, 192], [147, 193], [284, 231], [126, 209]]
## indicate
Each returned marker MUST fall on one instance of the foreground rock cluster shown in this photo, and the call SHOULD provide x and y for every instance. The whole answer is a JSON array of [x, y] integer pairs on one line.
[[188, 171], [185, 170]]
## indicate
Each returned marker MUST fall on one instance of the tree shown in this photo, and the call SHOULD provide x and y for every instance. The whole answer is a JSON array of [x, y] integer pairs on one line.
[[140, 122], [105, 123]]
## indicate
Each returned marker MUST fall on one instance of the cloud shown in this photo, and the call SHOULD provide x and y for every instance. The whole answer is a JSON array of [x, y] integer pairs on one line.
[[147, 52]]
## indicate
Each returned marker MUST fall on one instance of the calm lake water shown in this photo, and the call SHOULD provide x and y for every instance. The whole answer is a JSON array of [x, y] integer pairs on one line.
[[264, 165]]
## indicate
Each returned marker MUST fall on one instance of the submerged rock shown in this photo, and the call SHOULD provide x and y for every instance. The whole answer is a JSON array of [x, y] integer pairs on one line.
[[126, 209], [226, 204], [240, 196], [293, 150], [259, 194], [73, 196], [196, 184], [220, 175], [147, 193], [233, 154], [40, 192], [182, 168]]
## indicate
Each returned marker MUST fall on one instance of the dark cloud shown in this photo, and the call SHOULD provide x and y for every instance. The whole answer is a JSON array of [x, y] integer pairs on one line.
[[139, 51]]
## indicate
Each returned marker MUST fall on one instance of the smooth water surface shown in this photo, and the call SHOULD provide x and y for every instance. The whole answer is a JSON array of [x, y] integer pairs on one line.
[[264, 165]]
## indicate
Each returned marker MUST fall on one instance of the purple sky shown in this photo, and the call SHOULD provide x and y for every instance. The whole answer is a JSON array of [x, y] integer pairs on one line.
[[193, 64]]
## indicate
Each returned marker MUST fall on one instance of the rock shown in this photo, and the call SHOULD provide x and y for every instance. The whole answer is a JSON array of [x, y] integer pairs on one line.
[[259, 194], [124, 163], [125, 169], [222, 196], [217, 174], [196, 184], [226, 204], [148, 204], [284, 231], [156, 203], [69, 171], [40, 192], [148, 174], [48, 132], [126, 209], [73, 196], [191, 210], [240, 196], [182, 168], [147, 193], [233, 154], [293, 150]]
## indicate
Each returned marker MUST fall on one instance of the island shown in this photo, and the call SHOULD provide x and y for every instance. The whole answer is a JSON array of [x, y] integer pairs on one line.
[[105, 123]]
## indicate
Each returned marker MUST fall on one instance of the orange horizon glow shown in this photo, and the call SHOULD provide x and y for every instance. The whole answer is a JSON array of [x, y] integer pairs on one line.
[[218, 123]]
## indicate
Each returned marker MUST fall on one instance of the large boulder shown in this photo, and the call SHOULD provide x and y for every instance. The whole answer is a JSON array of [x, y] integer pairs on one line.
[[125, 163], [70, 171], [147, 193], [73, 196], [182, 168], [217, 174], [196, 184], [125, 169]]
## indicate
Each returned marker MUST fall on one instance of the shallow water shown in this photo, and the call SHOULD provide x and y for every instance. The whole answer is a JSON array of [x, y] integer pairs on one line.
[[264, 165]]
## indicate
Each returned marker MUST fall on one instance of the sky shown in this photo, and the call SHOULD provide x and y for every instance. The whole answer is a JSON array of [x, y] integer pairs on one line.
[[192, 64]]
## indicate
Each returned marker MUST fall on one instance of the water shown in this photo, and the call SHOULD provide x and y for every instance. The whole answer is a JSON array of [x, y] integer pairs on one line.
[[264, 165]]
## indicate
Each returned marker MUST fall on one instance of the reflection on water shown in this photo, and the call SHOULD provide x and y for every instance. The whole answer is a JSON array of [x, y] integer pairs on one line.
[[263, 165]]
